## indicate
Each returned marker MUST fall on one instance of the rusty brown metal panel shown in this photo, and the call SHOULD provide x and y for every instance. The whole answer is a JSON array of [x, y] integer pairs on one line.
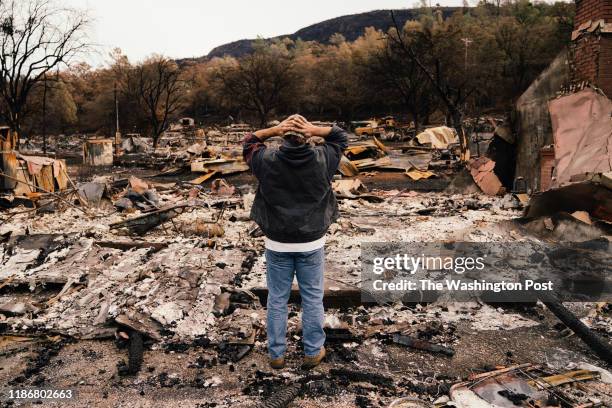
[[45, 179], [8, 139], [582, 132], [482, 172], [60, 173], [8, 164], [23, 189]]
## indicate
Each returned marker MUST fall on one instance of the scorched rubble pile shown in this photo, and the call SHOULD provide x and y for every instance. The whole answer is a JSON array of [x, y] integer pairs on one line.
[[164, 272]]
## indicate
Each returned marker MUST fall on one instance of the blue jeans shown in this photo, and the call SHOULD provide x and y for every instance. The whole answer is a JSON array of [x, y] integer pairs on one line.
[[308, 267]]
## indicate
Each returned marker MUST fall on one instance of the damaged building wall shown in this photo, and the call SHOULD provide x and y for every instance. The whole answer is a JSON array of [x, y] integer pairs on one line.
[[534, 129]]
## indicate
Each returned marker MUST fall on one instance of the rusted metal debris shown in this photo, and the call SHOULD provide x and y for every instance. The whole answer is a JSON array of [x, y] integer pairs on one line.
[[28, 174], [222, 188], [416, 175], [347, 168], [484, 176], [524, 385], [582, 132]]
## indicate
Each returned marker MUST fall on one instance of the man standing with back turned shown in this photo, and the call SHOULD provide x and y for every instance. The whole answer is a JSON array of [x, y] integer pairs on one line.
[[294, 206]]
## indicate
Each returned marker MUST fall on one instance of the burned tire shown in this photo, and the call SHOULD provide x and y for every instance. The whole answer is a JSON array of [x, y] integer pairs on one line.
[[283, 397], [135, 352]]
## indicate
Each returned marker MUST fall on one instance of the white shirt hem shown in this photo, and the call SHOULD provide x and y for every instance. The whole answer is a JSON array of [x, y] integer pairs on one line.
[[294, 247]]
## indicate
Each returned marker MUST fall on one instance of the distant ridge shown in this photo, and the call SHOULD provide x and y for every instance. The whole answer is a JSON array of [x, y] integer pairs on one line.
[[350, 26]]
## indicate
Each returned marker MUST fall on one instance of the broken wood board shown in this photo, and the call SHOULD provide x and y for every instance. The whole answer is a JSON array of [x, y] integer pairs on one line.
[[372, 163], [564, 378], [203, 178], [419, 174], [347, 168], [222, 166]]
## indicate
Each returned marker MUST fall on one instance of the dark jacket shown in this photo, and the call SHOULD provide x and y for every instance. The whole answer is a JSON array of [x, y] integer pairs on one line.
[[294, 200]]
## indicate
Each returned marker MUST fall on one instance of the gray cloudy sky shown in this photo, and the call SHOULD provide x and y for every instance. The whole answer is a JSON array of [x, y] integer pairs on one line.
[[189, 28]]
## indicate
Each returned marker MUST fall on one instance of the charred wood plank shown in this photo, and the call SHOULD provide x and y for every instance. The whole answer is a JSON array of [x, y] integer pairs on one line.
[[125, 246], [144, 223], [422, 345]]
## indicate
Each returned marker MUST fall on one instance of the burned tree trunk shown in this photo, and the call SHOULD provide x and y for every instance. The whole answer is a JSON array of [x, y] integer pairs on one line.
[[457, 124], [596, 343], [451, 100]]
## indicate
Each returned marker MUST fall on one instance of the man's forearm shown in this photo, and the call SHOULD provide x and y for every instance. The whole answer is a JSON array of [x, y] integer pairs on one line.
[[323, 131], [263, 134], [320, 131]]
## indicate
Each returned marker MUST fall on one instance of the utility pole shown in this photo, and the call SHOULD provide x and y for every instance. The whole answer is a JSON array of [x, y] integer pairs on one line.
[[44, 115], [467, 43], [117, 132]]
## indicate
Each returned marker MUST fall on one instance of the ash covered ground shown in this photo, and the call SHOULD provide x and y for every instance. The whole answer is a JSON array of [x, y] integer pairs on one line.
[[176, 316]]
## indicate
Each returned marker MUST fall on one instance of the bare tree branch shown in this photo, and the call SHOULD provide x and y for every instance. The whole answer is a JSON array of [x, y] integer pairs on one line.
[[36, 37], [158, 87], [439, 83]]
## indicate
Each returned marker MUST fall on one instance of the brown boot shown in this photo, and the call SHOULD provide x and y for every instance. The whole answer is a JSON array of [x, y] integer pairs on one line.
[[277, 363], [311, 362]]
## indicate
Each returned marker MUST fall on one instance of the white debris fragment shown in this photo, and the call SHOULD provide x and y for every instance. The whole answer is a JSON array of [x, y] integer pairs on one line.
[[168, 313]]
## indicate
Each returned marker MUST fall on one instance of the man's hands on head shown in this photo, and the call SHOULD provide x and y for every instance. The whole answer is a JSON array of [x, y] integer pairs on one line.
[[303, 126], [278, 130], [286, 125], [294, 123]]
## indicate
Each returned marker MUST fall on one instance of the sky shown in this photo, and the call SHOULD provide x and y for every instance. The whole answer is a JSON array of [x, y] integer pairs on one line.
[[191, 28]]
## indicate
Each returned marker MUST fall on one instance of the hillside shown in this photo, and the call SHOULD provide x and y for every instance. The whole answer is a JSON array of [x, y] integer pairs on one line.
[[350, 26]]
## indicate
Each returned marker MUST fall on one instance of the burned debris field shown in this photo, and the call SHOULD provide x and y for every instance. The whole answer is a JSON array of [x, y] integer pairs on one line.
[[146, 285], [132, 272]]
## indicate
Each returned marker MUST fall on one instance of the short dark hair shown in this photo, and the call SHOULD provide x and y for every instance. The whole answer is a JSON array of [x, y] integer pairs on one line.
[[295, 138]]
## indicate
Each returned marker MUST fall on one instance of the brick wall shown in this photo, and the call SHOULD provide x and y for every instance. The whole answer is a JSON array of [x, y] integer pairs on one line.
[[605, 64], [585, 58], [547, 166], [591, 53], [592, 10]]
